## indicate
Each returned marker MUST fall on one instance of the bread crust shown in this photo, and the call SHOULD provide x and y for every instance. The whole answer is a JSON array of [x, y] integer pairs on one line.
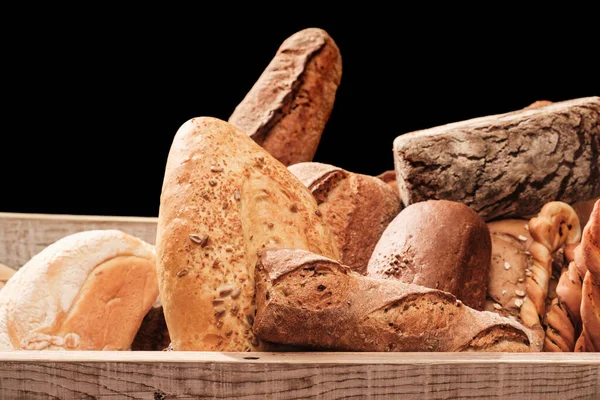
[[287, 108], [308, 300], [356, 207], [87, 291], [438, 244], [225, 200]]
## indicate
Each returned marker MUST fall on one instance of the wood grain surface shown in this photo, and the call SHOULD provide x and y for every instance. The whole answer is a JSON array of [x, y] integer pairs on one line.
[[24, 235], [206, 375], [193, 375]]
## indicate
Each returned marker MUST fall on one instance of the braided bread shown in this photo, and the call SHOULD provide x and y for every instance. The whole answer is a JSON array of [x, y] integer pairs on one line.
[[587, 256], [555, 226]]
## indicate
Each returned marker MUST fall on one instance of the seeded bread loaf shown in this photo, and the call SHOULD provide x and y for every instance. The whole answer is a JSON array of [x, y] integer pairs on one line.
[[511, 263], [356, 207], [309, 300], [287, 108], [87, 291], [224, 201], [438, 244]]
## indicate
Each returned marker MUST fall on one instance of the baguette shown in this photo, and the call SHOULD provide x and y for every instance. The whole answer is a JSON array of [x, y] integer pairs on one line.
[[287, 108], [308, 300], [225, 200], [508, 165], [356, 207]]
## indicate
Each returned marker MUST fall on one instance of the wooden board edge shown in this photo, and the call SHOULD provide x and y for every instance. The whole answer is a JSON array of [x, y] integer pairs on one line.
[[80, 218], [305, 358]]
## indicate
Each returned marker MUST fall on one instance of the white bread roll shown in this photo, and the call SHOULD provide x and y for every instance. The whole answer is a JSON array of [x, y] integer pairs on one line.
[[87, 291]]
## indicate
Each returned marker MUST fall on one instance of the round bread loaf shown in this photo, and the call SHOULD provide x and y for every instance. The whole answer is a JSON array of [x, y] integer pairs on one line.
[[438, 244], [87, 291], [356, 207]]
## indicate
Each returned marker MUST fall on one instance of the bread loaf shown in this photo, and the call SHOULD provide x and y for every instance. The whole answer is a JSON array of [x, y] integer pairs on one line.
[[287, 108], [5, 274], [389, 177], [511, 260], [87, 291], [356, 207], [224, 201], [506, 165], [309, 300], [437, 244], [587, 256]]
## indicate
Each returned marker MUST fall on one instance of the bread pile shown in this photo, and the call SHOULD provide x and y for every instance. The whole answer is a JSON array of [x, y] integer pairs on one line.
[[484, 237]]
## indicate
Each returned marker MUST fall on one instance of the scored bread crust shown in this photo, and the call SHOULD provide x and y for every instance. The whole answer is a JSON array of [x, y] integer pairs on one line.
[[308, 300], [225, 200], [439, 244], [356, 207], [87, 291], [287, 108]]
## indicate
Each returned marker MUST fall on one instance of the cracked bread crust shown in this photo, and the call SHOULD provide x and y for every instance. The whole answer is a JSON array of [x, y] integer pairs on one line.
[[287, 108], [506, 165], [308, 300]]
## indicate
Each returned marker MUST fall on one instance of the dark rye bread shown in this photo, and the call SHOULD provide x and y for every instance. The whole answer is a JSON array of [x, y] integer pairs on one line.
[[437, 244], [308, 300], [506, 165], [287, 108], [357, 208]]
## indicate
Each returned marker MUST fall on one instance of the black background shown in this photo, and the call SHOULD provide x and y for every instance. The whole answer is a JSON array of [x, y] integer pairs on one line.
[[91, 107]]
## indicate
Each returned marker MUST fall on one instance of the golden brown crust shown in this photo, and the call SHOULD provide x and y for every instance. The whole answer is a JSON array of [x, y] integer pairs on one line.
[[308, 300], [555, 226], [286, 110], [438, 244], [356, 207], [587, 257], [5, 274], [225, 200], [87, 291]]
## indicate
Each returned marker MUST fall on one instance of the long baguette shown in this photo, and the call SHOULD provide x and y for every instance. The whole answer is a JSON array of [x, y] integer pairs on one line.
[[308, 300]]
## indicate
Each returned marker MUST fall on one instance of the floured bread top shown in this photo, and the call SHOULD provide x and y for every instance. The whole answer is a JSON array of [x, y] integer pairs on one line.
[[58, 288]]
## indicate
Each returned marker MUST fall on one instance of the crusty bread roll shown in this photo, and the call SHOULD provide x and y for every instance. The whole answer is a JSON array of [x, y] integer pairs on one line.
[[389, 177], [287, 108], [510, 262], [356, 207], [538, 104], [224, 201], [5, 274], [308, 300], [87, 291], [438, 244]]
